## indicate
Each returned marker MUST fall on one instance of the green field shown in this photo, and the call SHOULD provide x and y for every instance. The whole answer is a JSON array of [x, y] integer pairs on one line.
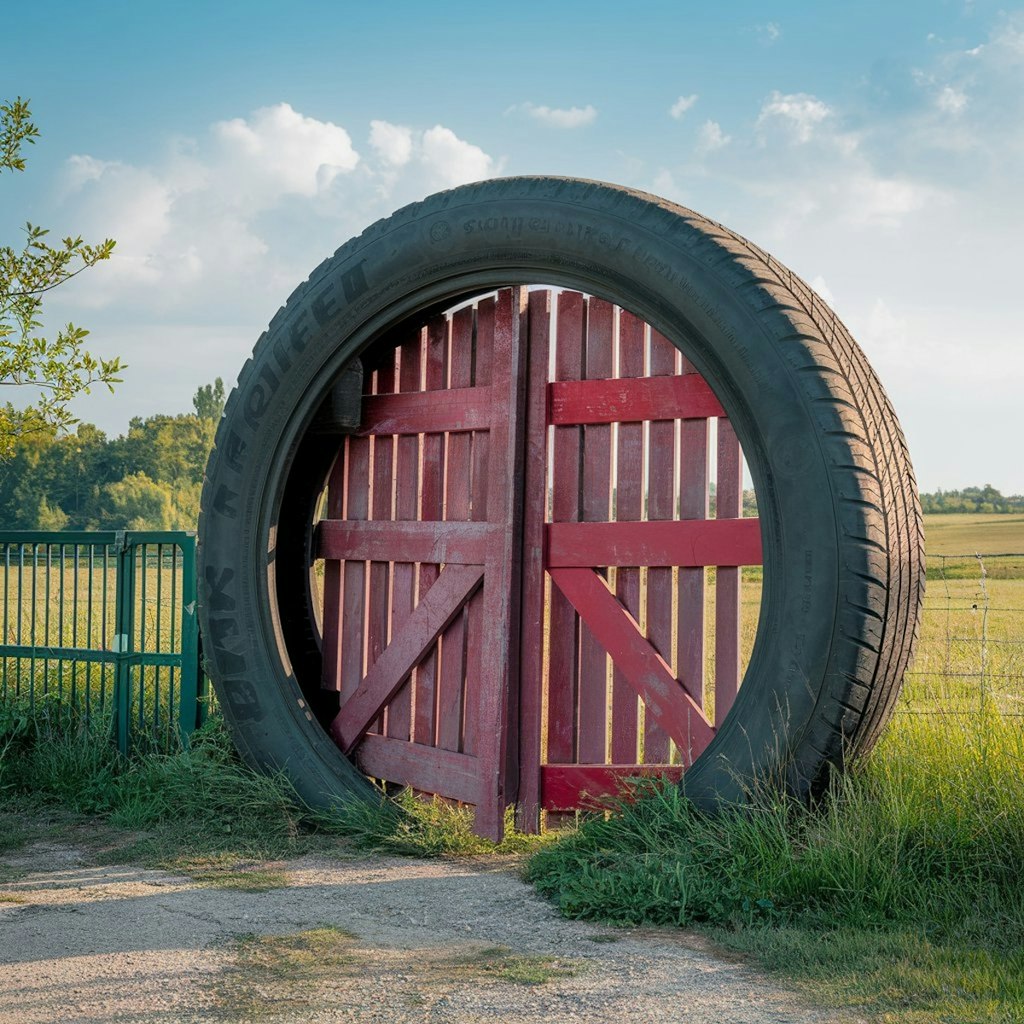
[[949, 533]]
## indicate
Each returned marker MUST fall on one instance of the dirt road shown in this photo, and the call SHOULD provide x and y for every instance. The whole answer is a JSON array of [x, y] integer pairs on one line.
[[343, 940]]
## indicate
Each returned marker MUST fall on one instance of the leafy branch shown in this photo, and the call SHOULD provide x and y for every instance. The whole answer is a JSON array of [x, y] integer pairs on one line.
[[59, 367]]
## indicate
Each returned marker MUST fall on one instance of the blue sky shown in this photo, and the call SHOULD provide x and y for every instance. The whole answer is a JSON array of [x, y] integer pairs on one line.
[[877, 148]]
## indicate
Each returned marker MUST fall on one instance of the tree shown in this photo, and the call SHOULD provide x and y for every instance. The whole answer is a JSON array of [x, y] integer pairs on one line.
[[208, 401], [60, 367]]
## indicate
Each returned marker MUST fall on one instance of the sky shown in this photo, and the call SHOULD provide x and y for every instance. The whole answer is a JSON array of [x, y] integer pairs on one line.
[[876, 148]]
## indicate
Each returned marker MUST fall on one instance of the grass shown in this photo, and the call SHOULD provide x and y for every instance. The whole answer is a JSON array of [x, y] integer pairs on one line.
[[900, 892], [956, 534], [499, 963]]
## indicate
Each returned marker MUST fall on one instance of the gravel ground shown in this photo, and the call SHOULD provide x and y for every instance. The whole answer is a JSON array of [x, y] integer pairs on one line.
[[348, 940]]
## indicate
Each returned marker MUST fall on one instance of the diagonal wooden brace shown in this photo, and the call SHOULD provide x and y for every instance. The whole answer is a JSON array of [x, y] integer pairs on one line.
[[426, 622], [640, 664]]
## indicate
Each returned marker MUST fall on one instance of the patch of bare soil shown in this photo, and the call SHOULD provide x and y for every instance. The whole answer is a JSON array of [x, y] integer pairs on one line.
[[342, 940]]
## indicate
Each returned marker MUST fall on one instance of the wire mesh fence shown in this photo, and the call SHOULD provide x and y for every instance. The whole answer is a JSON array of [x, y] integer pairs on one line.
[[103, 626], [970, 653]]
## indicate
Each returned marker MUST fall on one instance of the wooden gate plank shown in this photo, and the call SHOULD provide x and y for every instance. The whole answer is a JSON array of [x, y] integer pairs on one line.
[[665, 698], [729, 502], [441, 604], [725, 542], [661, 502], [458, 463], [465, 408], [357, 497], [478, 485], [592, 742], [330, 671], [427, 769], [569, 787], [497, 736], [694, 490], [381, 488], [532, 646], [631, 401], [437, 542], [407, 500], [563, 663], [629, 485], [431, 511]]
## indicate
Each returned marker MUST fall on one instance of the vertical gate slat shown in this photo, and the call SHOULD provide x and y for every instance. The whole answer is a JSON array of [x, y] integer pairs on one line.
[[593, 684], [531, 659], [693, 504], [483, 355], [498, 629], [431, 509], [661, 499], [382, 480], [403, 583], [357, 506], [563, 663], [457, 475], [628, 507], [729, 501], [334, 574]]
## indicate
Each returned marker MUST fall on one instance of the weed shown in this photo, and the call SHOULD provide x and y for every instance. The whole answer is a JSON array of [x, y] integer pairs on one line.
[[501, 964]]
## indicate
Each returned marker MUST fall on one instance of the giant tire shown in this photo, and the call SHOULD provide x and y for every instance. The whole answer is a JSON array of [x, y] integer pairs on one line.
[[841, 525]]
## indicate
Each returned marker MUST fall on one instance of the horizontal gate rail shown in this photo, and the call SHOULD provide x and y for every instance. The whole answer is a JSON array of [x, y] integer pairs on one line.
[[104, 623]]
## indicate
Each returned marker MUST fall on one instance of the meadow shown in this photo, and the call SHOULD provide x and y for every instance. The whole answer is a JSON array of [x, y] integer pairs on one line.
[[897, 895]]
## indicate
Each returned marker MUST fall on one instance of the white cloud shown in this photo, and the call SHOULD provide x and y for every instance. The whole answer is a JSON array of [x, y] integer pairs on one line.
[[769, 33], [711, 137], [278, 151], [391, 142], [820, 285], [799, 112], [682, 105], [951, 101], [248, 209], [453, 161], [559, 117]]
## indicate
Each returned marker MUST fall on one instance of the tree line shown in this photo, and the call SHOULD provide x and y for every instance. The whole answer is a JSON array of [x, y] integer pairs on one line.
[[147, 479], [972, 499]]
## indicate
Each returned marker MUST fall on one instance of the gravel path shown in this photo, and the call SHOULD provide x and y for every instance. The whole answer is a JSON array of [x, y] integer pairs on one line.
[[379, 939]]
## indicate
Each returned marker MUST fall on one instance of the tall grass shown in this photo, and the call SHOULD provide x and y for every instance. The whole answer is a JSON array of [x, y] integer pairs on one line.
[[930, 829]]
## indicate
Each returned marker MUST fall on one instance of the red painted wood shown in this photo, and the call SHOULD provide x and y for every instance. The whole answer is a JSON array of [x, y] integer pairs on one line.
[[427, 769], [357, 497], [458, 465], [666, 699], [381, 494], [630, 401], [498, 738], [661, 501], [407, 501], [729, 502], [442, 602], [569, 787], [629, 488], [431, 511], [423, 413], [330, 673], [563, 628], [531, 658], [694, 488], [592, 741], [724, 542], [478, 484], [459, 543]]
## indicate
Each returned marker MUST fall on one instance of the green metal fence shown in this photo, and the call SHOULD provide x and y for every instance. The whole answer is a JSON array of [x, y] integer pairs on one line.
[[104, 624]]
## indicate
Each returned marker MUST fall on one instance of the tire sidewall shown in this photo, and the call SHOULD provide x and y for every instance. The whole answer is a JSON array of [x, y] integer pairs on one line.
[[649, 258]]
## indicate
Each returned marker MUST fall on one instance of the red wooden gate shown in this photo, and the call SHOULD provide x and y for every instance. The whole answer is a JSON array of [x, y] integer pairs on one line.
[[515, 550]]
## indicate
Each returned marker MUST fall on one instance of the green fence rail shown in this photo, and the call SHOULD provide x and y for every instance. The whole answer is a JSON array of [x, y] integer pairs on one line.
[[104, 623]]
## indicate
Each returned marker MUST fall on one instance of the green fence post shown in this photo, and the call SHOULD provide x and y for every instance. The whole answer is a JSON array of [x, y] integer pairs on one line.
[[189, 709], [124, 634]]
